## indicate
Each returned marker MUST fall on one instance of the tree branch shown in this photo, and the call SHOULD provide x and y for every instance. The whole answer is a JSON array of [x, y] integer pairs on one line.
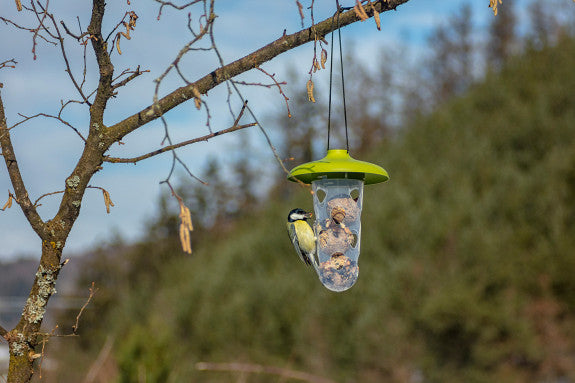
[[178, 145], [20, 191], [253, 60], [132, 76], [259, 369], [59, 118], [104, 91]]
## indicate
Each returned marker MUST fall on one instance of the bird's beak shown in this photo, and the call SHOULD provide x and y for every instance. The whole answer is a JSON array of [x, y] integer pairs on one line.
[[309, 215]]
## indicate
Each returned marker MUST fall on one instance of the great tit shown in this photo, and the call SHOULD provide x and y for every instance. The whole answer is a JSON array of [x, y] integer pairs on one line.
[[301, 234]]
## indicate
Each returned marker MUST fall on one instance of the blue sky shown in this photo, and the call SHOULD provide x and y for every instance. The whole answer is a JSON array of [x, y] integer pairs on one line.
[[47, 151]]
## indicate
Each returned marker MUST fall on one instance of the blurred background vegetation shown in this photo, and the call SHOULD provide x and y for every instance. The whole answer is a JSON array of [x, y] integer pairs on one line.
[[466, 272]]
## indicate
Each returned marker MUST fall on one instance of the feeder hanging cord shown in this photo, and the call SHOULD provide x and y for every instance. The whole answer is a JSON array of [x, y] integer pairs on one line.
[[342, 84]]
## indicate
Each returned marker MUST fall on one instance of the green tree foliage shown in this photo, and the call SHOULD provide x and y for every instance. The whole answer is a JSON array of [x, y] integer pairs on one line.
[[450, 67], [372, 100], [466, 265], [502, 42]]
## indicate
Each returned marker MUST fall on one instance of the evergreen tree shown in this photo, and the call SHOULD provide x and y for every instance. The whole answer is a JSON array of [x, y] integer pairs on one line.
[[370, 104], [450, 67], [502, 41]]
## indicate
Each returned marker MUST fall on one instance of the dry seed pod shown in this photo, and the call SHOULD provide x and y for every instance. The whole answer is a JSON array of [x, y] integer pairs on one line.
[[107, 200], [309, 87], [185, 228], [316, 65], [377, 19], [197, 97], [323, 58], [8, 204], [493, 4], [118, 44], [359, 11]]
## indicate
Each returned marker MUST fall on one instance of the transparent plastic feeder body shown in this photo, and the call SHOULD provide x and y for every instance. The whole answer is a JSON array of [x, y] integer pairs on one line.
[[337, 181], [337, 205]]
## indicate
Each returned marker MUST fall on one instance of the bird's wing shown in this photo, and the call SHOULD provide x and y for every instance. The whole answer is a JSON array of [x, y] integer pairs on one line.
[[292, 234]]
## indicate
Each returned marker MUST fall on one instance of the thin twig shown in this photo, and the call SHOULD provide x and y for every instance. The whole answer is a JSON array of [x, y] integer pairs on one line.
[[272, 76], [102, 356], [178, 7], [20, 190], [46, 195], [59, 118], [77, 37], [245, 83], [65, 57], [178, 145], [62, 191], [8, 64], [77, 324], [45, 339], [259, 369], [132, 76]]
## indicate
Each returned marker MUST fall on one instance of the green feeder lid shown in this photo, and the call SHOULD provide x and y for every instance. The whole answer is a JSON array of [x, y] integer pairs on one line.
[[338, 164]]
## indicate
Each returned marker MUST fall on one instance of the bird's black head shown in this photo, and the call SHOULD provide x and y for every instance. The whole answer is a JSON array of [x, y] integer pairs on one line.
[[298, 214]]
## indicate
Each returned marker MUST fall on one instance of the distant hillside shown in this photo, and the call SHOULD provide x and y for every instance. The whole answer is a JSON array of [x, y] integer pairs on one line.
[[15, 282], [17, 278], [466, 267]]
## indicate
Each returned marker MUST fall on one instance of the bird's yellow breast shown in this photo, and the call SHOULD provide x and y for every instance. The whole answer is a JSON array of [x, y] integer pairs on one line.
[[305, 236]]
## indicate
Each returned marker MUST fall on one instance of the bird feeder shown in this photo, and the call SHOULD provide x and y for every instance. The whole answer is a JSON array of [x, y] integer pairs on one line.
[[337, 181]]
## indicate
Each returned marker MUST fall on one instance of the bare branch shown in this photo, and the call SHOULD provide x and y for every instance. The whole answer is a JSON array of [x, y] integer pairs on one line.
[[107, 199], [132, 76], [8, 64], [300, 10], [272, 76], [46, 195], [60, 39], [35, 32], [251, 61], [59, 118], [170, 4], [102, 356], [93, 291], [104, 91], [178, 145], [245, 83], [259, 369], [77, 37], [20, 190]]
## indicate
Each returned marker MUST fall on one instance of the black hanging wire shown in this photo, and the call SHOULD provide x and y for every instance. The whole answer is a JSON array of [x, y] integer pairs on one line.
[[342, 83]]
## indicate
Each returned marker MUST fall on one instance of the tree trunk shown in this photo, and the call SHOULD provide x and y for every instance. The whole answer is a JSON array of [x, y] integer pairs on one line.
[[25, 338]]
